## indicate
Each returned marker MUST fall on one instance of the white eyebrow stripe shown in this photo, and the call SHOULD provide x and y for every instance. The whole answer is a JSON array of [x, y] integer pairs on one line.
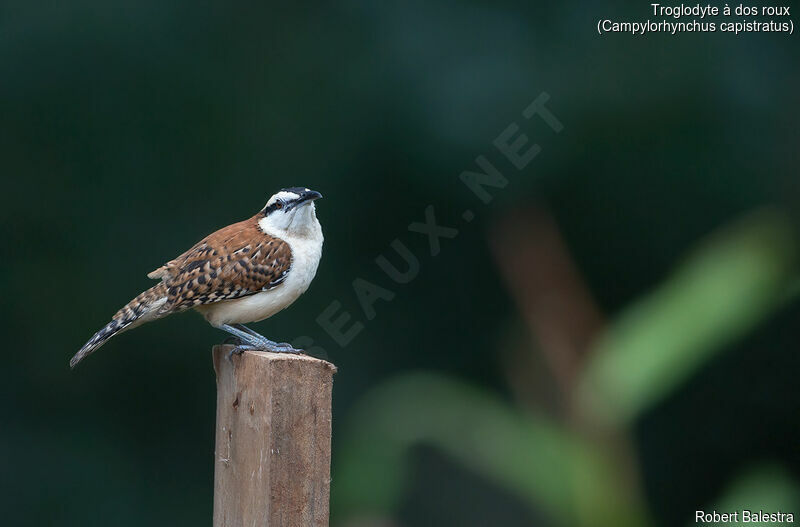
[[284, 195]]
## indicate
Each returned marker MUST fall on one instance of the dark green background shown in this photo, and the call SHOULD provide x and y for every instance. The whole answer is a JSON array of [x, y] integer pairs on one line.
[[129, 131]]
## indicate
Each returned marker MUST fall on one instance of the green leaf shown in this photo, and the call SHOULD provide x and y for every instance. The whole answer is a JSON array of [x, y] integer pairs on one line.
[[541, 463], [766, 488], [720, 293]]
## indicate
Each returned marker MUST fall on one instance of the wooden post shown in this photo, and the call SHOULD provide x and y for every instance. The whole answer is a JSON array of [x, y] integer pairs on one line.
[[273, 445]]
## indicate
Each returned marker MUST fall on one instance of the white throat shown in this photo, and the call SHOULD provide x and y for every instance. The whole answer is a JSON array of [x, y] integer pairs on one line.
[[299, 223]]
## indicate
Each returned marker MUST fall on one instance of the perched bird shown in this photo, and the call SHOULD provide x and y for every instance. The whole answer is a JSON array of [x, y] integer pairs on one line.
[[242, 273]]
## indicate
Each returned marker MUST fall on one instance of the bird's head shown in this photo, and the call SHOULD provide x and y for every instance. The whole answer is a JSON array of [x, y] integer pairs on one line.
[[290, 211]]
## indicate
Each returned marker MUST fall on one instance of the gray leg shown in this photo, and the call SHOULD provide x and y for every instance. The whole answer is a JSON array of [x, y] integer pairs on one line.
[[284, 345], [261, 338], [252, 340]]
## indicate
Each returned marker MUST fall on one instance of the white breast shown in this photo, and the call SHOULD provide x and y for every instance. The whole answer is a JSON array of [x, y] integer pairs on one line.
[[306, 252]]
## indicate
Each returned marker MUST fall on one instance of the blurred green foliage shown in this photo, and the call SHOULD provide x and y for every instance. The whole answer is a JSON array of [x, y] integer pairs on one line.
[[737, 278], [536, 459], [761, 488]]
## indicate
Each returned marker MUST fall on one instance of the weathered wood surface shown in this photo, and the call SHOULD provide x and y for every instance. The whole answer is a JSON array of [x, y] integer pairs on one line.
[[273, 442]]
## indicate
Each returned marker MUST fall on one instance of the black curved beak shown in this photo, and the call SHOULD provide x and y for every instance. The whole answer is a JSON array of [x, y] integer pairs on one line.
[[310, 195], [305, 197]]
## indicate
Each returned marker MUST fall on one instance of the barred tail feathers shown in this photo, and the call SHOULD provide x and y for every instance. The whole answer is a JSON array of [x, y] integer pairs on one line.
[[143, 308]]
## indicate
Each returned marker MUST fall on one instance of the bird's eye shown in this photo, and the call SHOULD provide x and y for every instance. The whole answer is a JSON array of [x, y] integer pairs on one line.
[[278, 205]]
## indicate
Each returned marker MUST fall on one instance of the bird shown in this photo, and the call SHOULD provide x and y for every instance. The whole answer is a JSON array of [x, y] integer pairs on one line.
[[245, 272]]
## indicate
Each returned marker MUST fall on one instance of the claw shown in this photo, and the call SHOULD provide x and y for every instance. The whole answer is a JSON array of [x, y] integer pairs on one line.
[[238, 350], [285, 347]]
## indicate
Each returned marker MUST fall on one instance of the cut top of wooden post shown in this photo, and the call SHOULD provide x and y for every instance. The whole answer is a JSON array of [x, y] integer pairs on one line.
[[273, 440]]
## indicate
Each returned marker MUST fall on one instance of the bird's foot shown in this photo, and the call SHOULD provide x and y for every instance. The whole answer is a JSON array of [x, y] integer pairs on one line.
[[285, 347], [248, 340], [264, 344], [268, 345], [241, 348]]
